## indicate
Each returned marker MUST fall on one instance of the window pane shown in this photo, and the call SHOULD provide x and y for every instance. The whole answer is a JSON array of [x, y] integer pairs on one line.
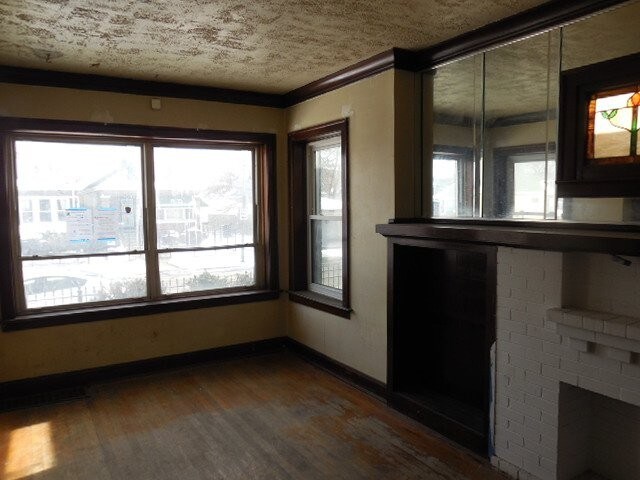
[[204, 197], [328, 180], [195, 271], [529, 189], [80, 280], [445, 188], [326, 257], [98, 187]]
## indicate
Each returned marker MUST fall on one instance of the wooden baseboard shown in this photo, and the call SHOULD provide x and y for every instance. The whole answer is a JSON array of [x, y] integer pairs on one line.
[[350, 375], [81, 378]]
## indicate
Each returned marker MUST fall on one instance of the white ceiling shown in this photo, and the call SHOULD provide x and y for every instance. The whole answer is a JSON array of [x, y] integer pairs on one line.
[[265, 46]]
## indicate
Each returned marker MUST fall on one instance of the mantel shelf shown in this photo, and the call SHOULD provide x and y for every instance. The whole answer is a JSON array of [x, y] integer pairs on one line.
[[566, 237]]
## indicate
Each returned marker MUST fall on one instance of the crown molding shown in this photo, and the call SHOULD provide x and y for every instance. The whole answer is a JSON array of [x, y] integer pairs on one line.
[[394, 58], [535, 20], [83, 81]]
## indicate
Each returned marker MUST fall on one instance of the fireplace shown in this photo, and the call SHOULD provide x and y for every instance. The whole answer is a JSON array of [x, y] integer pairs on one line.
[[441, 330], [598, 437]]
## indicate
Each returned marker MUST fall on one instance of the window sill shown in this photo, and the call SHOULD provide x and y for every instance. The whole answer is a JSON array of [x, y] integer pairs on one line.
[[48, 319], [320, 302]]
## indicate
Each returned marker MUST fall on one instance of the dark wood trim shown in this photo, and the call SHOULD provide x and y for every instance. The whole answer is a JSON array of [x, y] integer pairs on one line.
[[83, 378], [84, 81], [553, 236], [320, 302], [521, 119], [132, 309], [73, 127], [394, 58], [577, 177], [264, 143], [544, 17], [397, 397], [342, 371], [298, 255]]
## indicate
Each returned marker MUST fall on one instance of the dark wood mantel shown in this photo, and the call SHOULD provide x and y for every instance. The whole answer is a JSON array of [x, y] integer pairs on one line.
[[553, 236]]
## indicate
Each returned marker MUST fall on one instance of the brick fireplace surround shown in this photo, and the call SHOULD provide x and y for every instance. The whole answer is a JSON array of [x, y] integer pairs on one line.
[[592, 343]]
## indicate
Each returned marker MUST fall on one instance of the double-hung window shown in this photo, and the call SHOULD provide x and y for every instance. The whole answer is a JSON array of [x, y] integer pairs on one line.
[[144, 219], [319, 217]]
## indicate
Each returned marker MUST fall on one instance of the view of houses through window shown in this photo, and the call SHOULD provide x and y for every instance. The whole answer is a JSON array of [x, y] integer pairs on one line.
[[84, 236]]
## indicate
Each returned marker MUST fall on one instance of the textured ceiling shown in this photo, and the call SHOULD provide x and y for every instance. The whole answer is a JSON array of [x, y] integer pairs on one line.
[[267, 46], [518, 76]]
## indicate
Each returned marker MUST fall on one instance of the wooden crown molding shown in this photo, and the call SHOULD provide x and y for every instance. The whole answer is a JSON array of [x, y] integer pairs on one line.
[[83, 81], [544, 17], [535, 20], [394, 58]]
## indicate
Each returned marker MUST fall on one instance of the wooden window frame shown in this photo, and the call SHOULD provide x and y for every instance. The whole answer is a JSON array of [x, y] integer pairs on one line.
[[299, 291], [264, 146], [575, 176]]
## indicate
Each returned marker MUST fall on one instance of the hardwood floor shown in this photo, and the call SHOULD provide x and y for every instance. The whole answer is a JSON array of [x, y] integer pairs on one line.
[[269, 417]]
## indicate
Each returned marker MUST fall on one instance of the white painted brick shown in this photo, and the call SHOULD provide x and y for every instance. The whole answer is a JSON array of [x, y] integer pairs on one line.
[[531, 365], [533, 466], [511, 415], [599, 387], [558, 374], [512, 304], [518, 282], [623, 381], [540, 404], [581, 346], [550, 395], [509, 454], [515, 427], [495, 461], [509, 469], [503, 291], [533, 319], [630, 396], [526, 341], [526, 409], [631, 370], [537, 309], [555, 314], [571, 319], [542, 334], [551, 326], [616, 354], [503, 269], [580, 368], [503, 313], [633, 331], [512, 437], [547, 464], [542, 380], [617, 326], [560, 350], [575, 332], [550, 419], [618, 342], [596, 359], [504, 278], [591, 323], [511, 326]]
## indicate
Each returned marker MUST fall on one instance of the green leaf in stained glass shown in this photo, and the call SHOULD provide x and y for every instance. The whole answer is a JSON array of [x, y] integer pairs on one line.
[[609, 114]]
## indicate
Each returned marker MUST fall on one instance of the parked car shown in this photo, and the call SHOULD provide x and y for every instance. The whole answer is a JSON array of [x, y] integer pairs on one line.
[[38, 285]]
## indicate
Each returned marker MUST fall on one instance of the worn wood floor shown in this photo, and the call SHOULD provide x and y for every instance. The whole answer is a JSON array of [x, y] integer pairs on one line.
[[267, 417]]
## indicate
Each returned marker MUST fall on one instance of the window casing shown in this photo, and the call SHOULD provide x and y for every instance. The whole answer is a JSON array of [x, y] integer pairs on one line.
[[105, 244], [318, 161]]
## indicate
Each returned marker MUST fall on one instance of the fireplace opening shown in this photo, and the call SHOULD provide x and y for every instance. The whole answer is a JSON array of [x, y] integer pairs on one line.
[[598, 437], [441, 331]]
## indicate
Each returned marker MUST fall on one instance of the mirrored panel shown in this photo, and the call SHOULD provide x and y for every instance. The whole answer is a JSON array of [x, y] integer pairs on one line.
[[456, 117], [520, 129]]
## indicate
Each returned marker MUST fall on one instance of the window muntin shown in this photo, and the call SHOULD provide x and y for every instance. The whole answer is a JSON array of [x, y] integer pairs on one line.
[[324, 201], [96, 248], [319, 221]]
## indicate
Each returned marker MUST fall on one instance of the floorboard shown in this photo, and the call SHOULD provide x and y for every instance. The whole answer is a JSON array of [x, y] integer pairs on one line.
[[268, 417]]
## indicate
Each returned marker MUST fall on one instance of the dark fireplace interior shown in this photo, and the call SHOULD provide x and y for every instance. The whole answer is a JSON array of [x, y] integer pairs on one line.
[[442, 330]]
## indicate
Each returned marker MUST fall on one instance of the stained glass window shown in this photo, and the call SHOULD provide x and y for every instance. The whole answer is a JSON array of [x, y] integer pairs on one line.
[[612, 136]]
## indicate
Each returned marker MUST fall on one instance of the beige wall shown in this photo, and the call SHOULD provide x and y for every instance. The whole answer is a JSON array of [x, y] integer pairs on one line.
[[359, 342], [72, 347]]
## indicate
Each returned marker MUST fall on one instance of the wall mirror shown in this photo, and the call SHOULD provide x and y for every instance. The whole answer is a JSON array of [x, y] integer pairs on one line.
[[492, 126]]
